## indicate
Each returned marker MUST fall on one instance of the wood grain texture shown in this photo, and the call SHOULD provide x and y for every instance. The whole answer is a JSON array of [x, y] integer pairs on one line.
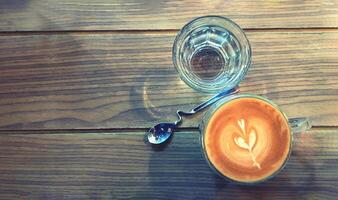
[[122, 166], [128, 80], [17, 15]]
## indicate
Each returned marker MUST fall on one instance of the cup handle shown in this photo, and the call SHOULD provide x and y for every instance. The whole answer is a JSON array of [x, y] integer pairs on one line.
[[299, 124]]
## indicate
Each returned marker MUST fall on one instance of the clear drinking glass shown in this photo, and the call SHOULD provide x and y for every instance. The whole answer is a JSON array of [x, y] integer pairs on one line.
[[211, 53], [296, 125]]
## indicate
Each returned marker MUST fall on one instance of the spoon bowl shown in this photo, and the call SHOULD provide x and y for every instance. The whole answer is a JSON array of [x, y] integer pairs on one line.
[[160, 132]]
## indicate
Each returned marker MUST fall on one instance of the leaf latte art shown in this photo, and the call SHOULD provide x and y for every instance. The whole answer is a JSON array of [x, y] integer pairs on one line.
[[252, 140], [247, 139]]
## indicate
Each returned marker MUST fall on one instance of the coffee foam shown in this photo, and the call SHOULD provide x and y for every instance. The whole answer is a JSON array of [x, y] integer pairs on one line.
[[247, 139]]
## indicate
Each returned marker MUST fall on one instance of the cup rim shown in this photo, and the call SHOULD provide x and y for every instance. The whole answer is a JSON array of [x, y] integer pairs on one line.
[[205, 120], [195, 84]]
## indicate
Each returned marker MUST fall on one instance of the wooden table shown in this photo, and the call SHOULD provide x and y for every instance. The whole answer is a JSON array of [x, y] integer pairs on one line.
[[81, 81]]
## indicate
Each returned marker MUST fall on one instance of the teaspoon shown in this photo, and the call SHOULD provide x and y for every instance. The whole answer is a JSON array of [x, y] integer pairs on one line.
[[161, 132]]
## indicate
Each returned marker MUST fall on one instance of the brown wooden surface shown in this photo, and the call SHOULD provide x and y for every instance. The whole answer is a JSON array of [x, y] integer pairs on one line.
[[17, 15], [78, 81], [121, 166]]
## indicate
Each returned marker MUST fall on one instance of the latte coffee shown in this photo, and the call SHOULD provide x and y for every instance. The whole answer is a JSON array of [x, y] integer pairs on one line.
[[247, 139]]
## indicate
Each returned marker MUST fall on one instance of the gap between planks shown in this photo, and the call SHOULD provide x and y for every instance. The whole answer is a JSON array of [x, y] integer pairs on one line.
[[118, 130], [160, 31]]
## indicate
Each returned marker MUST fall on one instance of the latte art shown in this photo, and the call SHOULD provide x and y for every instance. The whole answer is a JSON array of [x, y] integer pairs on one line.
[[241, 142], [247, 139]]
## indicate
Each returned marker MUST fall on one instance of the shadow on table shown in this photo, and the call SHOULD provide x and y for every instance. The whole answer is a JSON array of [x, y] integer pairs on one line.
[[180, 172]]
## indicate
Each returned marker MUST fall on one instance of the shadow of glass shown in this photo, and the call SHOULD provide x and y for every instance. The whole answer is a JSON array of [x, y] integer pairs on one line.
[[161, 94]]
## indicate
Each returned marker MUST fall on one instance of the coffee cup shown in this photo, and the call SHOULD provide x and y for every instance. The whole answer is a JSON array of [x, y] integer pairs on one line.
[[247, 138]]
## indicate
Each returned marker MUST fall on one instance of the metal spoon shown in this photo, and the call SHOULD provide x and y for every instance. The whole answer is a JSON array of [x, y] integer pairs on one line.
[[161, 132]]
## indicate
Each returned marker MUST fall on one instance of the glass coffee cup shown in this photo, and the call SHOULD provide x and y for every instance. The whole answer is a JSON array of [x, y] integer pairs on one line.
[[247, 139]]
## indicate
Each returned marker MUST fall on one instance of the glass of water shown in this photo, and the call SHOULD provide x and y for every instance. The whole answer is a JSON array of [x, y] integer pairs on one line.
[[211, 54]]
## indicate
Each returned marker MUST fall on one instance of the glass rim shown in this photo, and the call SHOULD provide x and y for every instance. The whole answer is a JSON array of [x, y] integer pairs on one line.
[[200, 85], [204, 123]]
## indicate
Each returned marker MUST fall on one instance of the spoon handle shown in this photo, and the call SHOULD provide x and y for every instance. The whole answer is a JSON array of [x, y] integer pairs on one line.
[[299, 125], [211, 100]]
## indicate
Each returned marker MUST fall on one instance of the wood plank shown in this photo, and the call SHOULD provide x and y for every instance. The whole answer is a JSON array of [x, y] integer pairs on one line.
[[128, 81], [121, 166], [41, 15]]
